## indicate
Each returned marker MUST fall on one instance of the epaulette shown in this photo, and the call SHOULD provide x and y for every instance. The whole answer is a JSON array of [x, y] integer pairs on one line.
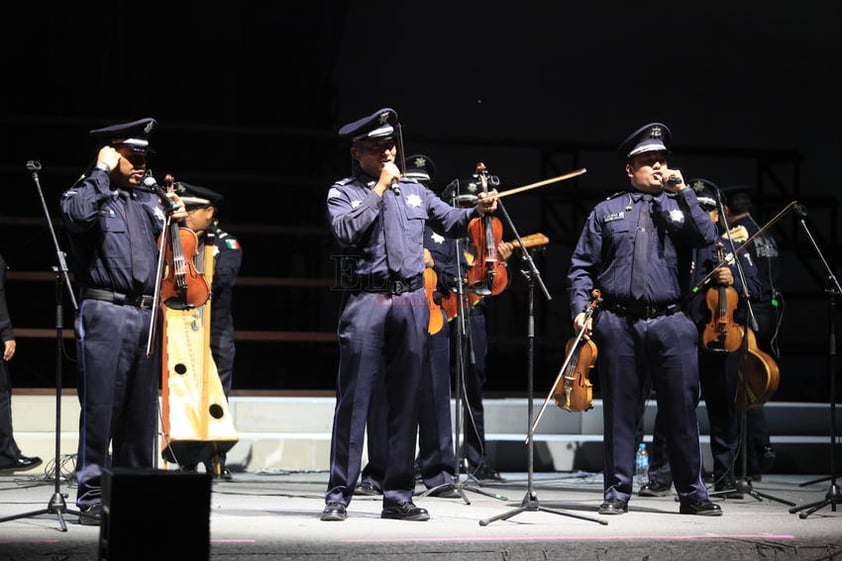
[[615, 195], [409, 180], [346, 180]]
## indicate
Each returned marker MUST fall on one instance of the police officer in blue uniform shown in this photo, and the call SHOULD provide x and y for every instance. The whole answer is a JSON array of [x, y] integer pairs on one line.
[[766, 304], [634, 248], [436, 459], [202, 205], [113, 225], [11, 458], [378, 219], [718, 360]]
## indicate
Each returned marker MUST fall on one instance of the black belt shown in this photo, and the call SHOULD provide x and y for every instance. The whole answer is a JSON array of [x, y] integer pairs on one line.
[[144, 301], [643, 311], [389, 286]]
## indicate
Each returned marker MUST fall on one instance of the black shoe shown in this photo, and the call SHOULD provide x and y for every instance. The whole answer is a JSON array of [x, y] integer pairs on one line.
[[91, 515], [445, 492], [367, 488], [727, 490], [485, 472], [702, 508], [23, 463], [334, 512], [405, 511], [613, 507], [655, 489]]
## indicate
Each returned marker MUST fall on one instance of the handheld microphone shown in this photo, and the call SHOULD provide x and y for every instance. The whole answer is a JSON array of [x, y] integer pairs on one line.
[[675, 180], [32, 165], [395, 187], [150, 184]]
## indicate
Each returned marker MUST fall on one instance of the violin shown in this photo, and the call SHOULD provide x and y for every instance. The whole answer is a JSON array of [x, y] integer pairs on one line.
[[763, 375], [182, 286], [449, 300], [722, 333], [488, 275], [574, 390], [436, 318]]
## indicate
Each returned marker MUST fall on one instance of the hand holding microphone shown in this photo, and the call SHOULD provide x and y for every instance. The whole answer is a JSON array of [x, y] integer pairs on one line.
[[673, 181], [391, 175]]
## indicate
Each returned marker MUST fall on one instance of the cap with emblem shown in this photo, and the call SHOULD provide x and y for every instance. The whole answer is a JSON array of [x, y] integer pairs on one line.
[[380, 125], [707, 193], [654, 137], [134, 135], [420, 168], [195, 196]]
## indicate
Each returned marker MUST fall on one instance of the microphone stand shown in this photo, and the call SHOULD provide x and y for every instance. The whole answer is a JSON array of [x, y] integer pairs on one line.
[[57, 504], [743, 484], [462, 335], [833, 496], [530, 501]]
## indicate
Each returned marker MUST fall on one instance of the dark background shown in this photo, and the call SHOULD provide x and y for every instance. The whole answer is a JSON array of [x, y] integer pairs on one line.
[[249, 99]]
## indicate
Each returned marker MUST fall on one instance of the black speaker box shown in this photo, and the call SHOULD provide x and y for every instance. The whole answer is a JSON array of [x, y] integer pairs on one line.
[[146, 512]]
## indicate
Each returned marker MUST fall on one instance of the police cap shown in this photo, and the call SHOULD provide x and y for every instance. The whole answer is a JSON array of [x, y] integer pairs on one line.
[[654, 137], [380, 125], [196, 196], [134, 135], [420, 167], [707, 193]]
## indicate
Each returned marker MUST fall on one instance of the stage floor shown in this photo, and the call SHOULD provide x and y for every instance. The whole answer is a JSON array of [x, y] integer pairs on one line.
[[276, 516]]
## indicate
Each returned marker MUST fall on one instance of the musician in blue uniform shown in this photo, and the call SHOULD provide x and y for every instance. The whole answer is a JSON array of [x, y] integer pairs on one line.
[[378, 219], [718, 360], [11, 458], [202, 205], [634, 247], [113, 225], [436, 459], [767, 306]]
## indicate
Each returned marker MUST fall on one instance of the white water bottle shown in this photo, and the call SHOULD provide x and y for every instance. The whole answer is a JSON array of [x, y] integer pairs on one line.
[[641, 471]]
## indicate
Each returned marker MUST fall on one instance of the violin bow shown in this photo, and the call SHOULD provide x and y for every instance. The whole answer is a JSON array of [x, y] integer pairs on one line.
[[570, 175], [744, 245]]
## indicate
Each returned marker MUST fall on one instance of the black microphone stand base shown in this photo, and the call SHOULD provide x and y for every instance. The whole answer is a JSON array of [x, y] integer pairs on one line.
[[833, 498], [57, 506], [744, 486], [530, 503], [460, 487]]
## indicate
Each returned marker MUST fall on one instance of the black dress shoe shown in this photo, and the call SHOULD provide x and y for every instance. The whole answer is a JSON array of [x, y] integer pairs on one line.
[[367, 488], [727, 490], [702, 508], [334, 512], [90, 515], [613, 507], [405, 511], [445, 492], [655, 489], [23, 463]]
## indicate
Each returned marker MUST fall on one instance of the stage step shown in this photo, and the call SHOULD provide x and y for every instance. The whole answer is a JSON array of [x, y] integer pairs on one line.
[[278, 433]]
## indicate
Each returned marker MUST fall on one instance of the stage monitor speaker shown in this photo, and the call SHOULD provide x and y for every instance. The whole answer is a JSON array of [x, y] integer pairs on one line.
[[147, 512]]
